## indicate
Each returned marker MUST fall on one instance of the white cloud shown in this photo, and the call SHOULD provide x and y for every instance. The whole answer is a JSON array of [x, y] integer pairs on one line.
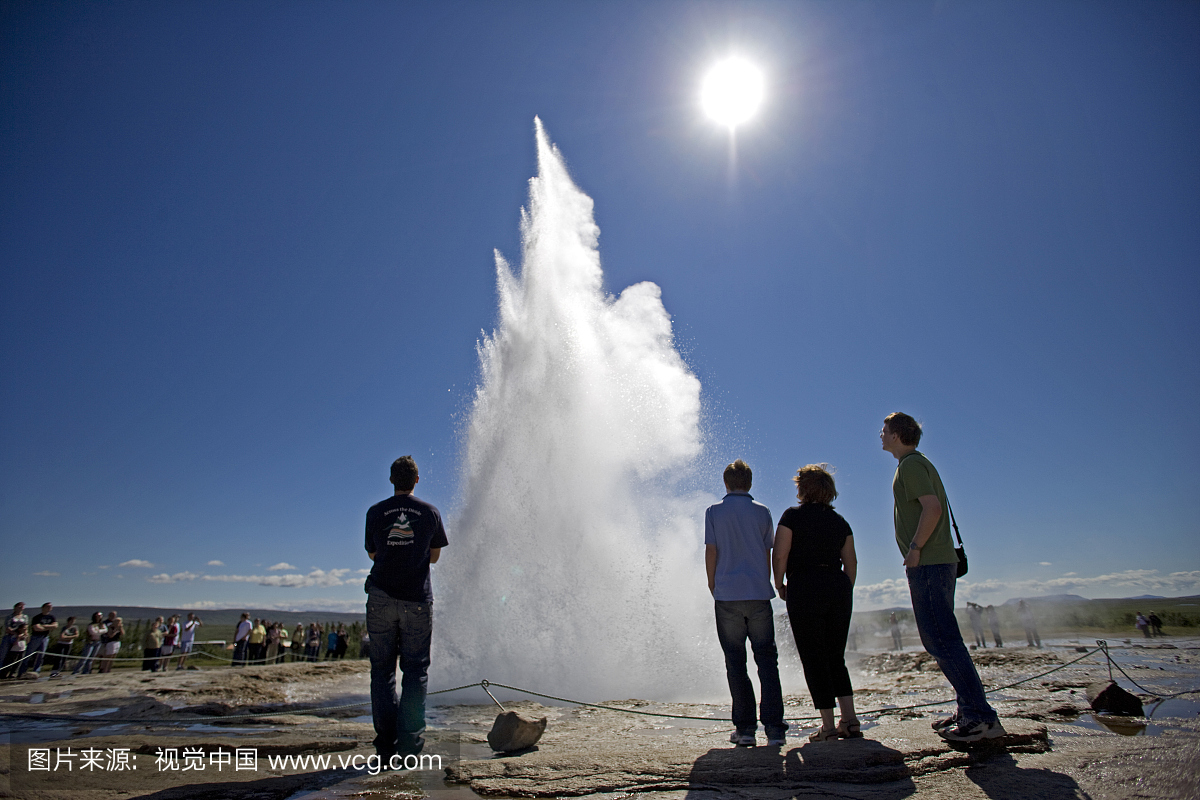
[[136, 562], [105, 566], [216, 563], [318, 577], [178, 576], [46, 574], [282, 565], [1044, 564], [1114, 584], [363, 571], [199, 604]]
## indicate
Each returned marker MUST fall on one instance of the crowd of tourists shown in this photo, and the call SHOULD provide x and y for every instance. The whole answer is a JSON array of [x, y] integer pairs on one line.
[[260, 642], [32, 643]]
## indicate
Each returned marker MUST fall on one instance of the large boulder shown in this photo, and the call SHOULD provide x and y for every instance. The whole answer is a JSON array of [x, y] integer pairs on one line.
[[1107, 696], [512, 731]]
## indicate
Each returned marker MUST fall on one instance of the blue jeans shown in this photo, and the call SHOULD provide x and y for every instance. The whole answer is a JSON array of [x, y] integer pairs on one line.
[[932, 590], [239, 653], [84, 665], [37, 644], [738, 620], [400, 630]]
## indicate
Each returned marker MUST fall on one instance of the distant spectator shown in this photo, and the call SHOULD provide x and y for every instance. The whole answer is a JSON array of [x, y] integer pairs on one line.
[[1031, 634], [1142, 624], [14, 620], [364, 645], [112, 641], [62, 648], [152, 644], [258, 642], [298, 640], [852, 640], [91, 644], [41, 627], [241, 640], [343, 643], [894, 625], [975, 612], [312, 650], [994, 624], [18, 641], [272, 642], [187, 639], [1155, 623], [331, 644], [170, 642]]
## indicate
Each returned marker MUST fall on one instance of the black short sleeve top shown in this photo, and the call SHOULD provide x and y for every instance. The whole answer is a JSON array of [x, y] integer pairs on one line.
[[818, 535]]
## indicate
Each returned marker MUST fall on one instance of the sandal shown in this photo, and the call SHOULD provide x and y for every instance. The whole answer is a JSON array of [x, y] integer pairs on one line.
[[849, 730], [823, 735]]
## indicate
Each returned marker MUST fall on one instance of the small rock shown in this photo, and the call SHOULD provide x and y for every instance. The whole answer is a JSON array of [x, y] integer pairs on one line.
[[1107, 696], [512, 731]]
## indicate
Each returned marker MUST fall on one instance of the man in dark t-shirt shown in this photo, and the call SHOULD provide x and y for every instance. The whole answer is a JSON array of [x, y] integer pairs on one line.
[[40, 628], [404, 535]]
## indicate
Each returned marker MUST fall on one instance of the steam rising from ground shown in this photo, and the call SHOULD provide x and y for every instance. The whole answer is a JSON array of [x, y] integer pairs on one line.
[[576, 564]]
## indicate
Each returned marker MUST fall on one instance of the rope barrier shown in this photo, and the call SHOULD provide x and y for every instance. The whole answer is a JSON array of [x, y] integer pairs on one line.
[[1112, 663], [1102, 647]]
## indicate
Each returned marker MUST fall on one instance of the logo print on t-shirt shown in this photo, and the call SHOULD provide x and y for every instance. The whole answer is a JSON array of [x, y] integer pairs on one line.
[[401, 528]]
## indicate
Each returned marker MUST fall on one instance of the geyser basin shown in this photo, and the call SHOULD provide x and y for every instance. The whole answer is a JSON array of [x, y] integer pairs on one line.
[[575, 566]]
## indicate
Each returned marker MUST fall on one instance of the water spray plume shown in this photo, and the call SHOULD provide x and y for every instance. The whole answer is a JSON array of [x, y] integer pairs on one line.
[[575, 564]]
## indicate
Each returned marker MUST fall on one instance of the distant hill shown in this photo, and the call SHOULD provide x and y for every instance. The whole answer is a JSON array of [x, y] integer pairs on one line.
[[216, 616], [1049, 598], [1147, 597]]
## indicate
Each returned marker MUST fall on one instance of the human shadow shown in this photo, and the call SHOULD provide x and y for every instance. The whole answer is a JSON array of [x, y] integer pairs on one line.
[[999, 776], [859, 761]]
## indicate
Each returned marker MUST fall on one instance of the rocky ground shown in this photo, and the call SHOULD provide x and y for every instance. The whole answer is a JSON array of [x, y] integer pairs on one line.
[[128, 724]]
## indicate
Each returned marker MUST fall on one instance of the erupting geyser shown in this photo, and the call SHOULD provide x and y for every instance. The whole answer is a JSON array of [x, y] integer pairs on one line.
[[576, 564]]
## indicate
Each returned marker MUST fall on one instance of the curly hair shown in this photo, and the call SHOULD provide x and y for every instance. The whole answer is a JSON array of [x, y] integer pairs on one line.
[[814, 484]]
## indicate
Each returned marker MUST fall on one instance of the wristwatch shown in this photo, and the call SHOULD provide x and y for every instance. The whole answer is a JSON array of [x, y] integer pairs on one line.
[[913, 545]]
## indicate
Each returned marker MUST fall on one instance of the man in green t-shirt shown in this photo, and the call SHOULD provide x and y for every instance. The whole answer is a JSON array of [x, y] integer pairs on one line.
[[923, 535]]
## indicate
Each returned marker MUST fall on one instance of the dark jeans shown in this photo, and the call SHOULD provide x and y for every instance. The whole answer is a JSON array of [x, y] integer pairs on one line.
[[819, 606], [239, 652], [400, 630], [150, 658], [932, 590], [37, 645], [60, 651], [84, 665], [738, 620], [36, 650]]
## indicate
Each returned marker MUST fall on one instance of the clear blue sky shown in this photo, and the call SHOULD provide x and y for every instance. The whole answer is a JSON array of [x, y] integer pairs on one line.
[[246, 255]]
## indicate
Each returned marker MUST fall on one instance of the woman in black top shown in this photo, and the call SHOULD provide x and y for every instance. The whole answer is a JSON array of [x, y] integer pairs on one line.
[[814, 548]]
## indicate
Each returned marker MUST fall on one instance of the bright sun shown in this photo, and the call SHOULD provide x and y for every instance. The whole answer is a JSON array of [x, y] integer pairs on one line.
[[732, 91]]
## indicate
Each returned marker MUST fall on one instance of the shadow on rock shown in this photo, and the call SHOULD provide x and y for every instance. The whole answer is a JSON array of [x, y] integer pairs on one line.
[[861, 761], [1000, 778]]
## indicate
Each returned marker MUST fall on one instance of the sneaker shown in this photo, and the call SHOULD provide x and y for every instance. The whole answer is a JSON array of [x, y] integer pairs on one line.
[[55, 674], [742, 739], [777, 741], [945, 724], [972, 731]]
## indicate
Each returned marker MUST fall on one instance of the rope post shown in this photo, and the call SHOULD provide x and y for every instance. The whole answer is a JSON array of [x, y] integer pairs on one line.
[[485, 686], [1103, 645]]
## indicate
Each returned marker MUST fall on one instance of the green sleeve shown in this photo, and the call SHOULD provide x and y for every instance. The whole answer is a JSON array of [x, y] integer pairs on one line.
[[915, 480]]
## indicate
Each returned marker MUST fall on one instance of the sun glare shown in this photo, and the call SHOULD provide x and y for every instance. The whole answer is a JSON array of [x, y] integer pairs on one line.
[[732, 92]]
